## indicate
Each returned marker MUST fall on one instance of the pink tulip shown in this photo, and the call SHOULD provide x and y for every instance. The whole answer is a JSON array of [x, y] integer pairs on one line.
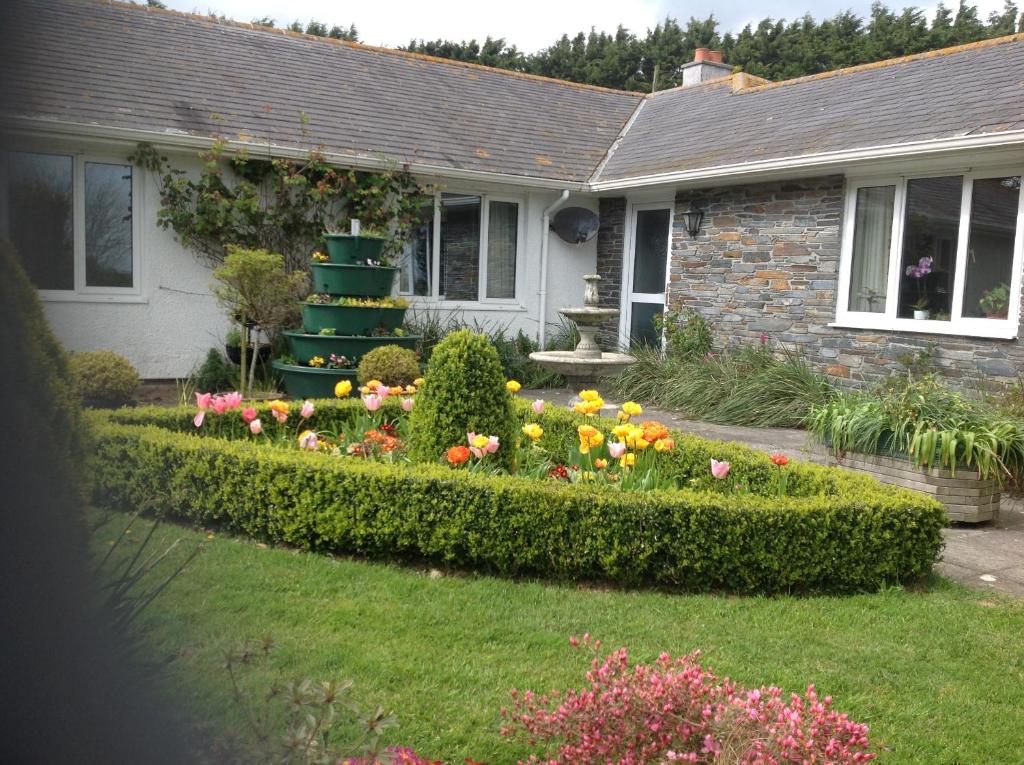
[[220, 404], [233, 400], [281, 417], [492, 445], [477, 452], [616, 449], [198, 419], [249, 414], [407, 404], [372, 402], [538, 406], [382, 390], [309, 442], [307, 410], [256, 427], [719, 469], [203, 400]]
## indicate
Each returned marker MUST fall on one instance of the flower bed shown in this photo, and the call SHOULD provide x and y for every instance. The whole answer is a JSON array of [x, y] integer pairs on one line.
[[831, 531]]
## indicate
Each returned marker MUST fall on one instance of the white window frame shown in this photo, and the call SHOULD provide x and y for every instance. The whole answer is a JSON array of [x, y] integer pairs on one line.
[[958, 324], [82, 292], [482, 302], [626, 293]]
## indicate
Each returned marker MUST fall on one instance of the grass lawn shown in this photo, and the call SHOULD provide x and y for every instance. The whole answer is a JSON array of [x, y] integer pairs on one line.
[[937, 674]]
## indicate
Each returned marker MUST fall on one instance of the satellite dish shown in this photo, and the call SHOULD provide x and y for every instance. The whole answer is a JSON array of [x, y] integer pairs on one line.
[[575, 225]]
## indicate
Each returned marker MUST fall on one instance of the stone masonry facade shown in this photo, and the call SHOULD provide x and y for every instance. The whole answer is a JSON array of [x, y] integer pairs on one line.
[[766, 261]]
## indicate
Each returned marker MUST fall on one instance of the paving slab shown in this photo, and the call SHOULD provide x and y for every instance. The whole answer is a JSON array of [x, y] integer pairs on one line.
[[986, 556]]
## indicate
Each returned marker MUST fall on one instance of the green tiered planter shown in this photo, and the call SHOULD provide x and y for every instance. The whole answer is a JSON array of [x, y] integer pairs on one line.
[[349, 319], [307, 382], [345, 249], [349, 281], [354, 326], [305, 346]]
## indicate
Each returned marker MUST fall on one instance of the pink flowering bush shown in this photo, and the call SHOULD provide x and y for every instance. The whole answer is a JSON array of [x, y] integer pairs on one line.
[[679, 711], [395, 756]]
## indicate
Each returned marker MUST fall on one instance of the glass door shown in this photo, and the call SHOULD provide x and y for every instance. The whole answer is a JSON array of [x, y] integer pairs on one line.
[[646, 273]]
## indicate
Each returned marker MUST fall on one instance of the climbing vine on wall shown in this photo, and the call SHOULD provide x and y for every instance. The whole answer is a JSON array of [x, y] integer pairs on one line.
[[279, 205]]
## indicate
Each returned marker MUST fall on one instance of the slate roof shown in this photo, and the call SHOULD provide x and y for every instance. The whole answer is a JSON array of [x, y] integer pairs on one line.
[[114, 65], [963, 91], [121, 66]]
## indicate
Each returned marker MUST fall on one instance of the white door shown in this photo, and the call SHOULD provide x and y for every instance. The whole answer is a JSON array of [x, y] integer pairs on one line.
[[645, 273]]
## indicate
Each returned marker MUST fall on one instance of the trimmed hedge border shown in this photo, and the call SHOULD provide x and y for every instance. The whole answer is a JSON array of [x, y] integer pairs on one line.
[[847, 533]]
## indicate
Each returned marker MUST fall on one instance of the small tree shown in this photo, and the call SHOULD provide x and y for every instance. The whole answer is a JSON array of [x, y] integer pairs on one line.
[[254, 288], [464, 391]]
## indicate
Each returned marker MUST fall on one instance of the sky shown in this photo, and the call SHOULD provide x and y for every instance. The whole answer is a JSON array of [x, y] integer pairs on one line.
[[528, 24]]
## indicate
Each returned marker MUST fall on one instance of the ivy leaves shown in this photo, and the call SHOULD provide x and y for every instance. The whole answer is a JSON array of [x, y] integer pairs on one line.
[[280, 205]]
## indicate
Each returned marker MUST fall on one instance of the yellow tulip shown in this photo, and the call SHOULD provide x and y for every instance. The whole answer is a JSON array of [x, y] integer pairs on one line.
[[628, 460], [589, 395], [418, 382], [632, 409], [533, 431], [513, 386], [343, 388]]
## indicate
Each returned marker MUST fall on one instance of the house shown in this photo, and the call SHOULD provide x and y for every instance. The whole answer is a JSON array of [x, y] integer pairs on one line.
[[863, 214]]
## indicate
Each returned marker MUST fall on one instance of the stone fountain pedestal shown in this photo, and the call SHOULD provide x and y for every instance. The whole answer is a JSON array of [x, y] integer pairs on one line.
[[587, 362]]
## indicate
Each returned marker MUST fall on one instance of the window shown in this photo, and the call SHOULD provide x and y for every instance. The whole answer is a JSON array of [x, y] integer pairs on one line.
[[937, 254], [70, 220], [467, 250]]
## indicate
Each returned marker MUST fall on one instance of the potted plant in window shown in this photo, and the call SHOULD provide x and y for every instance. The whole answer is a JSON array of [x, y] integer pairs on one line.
[[918, 274], [995, 302]]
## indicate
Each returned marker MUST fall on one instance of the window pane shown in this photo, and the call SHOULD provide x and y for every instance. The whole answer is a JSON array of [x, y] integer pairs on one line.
[[414, 276], [931, 227], [502, 233], [872, 237], [40, 215], [994, 205], [460, 247], [650, 251], [641, 320], [108, 225]]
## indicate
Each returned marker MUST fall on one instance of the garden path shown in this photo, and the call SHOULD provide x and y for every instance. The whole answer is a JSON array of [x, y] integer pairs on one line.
[[984, 556]]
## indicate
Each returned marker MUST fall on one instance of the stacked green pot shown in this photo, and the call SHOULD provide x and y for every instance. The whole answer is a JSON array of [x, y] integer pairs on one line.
[[349, 272]]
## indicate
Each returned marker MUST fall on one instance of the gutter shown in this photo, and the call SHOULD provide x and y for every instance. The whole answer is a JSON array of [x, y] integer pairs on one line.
[[738, 171], [35, 128], [545, 237]]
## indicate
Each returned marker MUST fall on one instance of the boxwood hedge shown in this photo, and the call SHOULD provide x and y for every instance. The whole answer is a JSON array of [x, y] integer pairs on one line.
[[838, 531]]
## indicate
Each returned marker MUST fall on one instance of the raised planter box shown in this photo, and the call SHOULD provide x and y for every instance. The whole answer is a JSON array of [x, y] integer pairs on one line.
[[307, 382], [347, 250], [967, 497], [362, 281], [350, 320], [305, 346]]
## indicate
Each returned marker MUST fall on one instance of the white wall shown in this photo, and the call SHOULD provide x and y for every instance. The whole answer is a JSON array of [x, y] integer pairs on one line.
[[167, 331], [567, 263]]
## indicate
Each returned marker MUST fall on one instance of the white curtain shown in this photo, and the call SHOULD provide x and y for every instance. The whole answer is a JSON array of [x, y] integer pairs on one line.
[[502, 232], [872, 238]]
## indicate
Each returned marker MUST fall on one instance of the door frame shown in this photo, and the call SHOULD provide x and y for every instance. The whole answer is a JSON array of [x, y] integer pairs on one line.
[[626, 294]]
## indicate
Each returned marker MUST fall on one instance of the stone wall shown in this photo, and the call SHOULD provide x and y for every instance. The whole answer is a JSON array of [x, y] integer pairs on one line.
[[766, 261], [611, 237]]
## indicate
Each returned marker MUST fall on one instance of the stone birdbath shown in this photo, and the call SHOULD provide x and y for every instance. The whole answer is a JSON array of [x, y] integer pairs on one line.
[[587, 362]]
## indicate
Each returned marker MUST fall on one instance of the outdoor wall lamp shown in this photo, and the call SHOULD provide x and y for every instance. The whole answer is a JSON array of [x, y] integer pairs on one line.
[[692, 218]]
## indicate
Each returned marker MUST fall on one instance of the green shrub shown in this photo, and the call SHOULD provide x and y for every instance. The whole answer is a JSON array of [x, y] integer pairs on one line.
[[842, 532], [687, 334], [43, 418], [104, 377], [928, 422], [464, 391], [747, 385], [391, 364], [216, 373]]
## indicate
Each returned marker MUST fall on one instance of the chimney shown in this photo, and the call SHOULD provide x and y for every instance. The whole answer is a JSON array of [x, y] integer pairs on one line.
[[706, 65]]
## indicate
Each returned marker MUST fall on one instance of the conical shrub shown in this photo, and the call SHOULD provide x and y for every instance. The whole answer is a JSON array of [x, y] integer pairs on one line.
[[464, 390]]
